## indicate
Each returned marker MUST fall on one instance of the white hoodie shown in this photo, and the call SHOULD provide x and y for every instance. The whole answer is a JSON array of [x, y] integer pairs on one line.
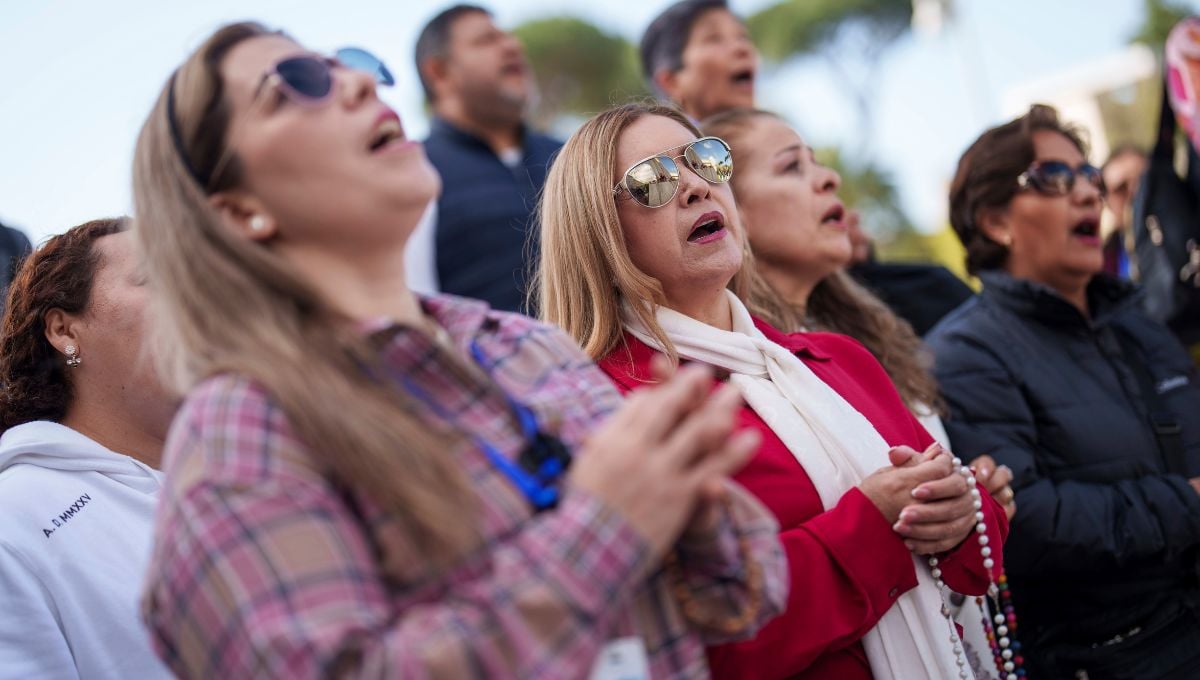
[[76, 524]]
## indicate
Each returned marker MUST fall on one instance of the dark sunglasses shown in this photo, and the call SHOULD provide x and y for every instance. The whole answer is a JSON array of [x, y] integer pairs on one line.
[[1055, 178], [654, 181], [306, 79]]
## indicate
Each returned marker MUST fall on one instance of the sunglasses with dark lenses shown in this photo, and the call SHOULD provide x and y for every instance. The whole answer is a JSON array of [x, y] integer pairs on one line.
[[1055, 178], [654, 181], [308, 79]]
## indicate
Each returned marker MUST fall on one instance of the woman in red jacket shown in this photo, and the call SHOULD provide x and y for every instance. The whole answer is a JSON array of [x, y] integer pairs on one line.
[[640, 238]]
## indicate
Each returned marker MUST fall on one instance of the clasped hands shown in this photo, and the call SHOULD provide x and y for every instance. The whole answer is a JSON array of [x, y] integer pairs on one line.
[[928, 501]]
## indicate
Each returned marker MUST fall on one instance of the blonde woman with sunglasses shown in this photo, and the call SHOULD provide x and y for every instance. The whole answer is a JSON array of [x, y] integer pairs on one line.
[[364, 483], [640, 239]]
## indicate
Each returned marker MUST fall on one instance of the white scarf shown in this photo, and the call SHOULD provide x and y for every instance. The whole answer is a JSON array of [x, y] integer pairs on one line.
[[838, 448]]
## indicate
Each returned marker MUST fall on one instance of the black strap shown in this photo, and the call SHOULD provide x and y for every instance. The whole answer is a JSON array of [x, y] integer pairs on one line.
[[1167, 429], [1164, 145]]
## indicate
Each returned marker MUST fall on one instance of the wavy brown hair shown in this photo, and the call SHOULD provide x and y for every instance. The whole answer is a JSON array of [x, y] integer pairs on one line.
[[58, 275], [986, 179], [225, 304], [838, 303]]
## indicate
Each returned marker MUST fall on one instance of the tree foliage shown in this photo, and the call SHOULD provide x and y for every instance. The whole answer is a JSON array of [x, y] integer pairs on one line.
[[1160, 17], [1130, 114], [795, 27], [871, 190], [579, 68]]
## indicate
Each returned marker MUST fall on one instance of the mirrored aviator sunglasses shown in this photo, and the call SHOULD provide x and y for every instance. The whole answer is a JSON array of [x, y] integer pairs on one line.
[[1055, 178], [308, 79], [653, 181]]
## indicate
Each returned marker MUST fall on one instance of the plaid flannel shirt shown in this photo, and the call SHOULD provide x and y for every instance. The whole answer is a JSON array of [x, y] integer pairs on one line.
[[264, 567]]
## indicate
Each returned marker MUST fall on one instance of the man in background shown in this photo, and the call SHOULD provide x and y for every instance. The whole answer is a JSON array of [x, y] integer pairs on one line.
[[479, 86], [699, 56]]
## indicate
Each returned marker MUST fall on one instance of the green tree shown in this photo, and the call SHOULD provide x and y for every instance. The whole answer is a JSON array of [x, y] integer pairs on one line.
[[870, 189], [579, 68], [1160, 17], [799, 27], [1130, 113], [850, 35]]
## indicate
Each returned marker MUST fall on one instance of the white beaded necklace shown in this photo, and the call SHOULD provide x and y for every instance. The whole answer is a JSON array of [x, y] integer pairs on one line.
[[985, 552]]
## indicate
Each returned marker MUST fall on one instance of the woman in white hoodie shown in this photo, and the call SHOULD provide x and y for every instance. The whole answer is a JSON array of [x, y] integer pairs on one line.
[[83, 421]]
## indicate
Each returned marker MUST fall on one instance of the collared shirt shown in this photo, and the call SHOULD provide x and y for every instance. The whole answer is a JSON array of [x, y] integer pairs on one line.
[[420, 270], [263, 567], [485, 241]]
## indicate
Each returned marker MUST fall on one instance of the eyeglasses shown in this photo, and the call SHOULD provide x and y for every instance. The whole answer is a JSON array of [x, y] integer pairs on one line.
[[1055, 178], [305, 79], [654, 181], [308, 79]]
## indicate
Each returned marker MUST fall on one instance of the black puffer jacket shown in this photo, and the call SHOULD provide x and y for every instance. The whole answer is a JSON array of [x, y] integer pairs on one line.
[[1104, 532]]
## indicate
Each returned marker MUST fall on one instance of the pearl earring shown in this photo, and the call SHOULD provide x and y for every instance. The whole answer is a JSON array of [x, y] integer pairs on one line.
[[72, 353], [258, 223]]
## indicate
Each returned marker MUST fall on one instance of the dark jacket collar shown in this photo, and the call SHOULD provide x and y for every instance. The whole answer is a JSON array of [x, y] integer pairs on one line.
[[440, 127], [1107, 296]]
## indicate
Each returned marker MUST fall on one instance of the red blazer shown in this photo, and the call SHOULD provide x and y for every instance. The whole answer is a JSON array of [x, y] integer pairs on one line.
[[847, 566]]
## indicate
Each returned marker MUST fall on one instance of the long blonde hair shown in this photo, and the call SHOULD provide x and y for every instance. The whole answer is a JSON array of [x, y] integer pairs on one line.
[[585, 268], [227, 305], [838, 303]]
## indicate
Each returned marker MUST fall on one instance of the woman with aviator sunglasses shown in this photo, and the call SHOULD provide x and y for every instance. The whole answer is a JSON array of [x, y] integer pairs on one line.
[[361, 482], [640, 271], [1055, 372]]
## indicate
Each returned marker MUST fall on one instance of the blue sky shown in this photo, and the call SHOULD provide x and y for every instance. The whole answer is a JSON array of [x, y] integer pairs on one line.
[[78, 78]]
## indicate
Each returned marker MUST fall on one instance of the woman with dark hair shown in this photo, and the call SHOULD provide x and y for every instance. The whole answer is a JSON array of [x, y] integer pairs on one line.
[[1056, 373], [362, 482], [84, 420], [640, 238]]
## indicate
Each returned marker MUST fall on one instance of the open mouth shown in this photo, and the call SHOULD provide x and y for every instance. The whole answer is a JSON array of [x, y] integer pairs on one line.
[[513, 69], [385, 133], [1088, 228], [709, 227], [745, 77], [834, 215]]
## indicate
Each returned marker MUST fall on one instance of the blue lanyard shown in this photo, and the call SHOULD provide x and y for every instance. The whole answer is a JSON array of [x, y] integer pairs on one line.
[[546, 454]]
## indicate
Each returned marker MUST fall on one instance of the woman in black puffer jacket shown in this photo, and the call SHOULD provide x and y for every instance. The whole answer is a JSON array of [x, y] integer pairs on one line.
[[1056, 373]]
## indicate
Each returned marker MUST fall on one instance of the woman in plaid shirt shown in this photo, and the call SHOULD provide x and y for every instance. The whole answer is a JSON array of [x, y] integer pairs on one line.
[[364, 483]]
